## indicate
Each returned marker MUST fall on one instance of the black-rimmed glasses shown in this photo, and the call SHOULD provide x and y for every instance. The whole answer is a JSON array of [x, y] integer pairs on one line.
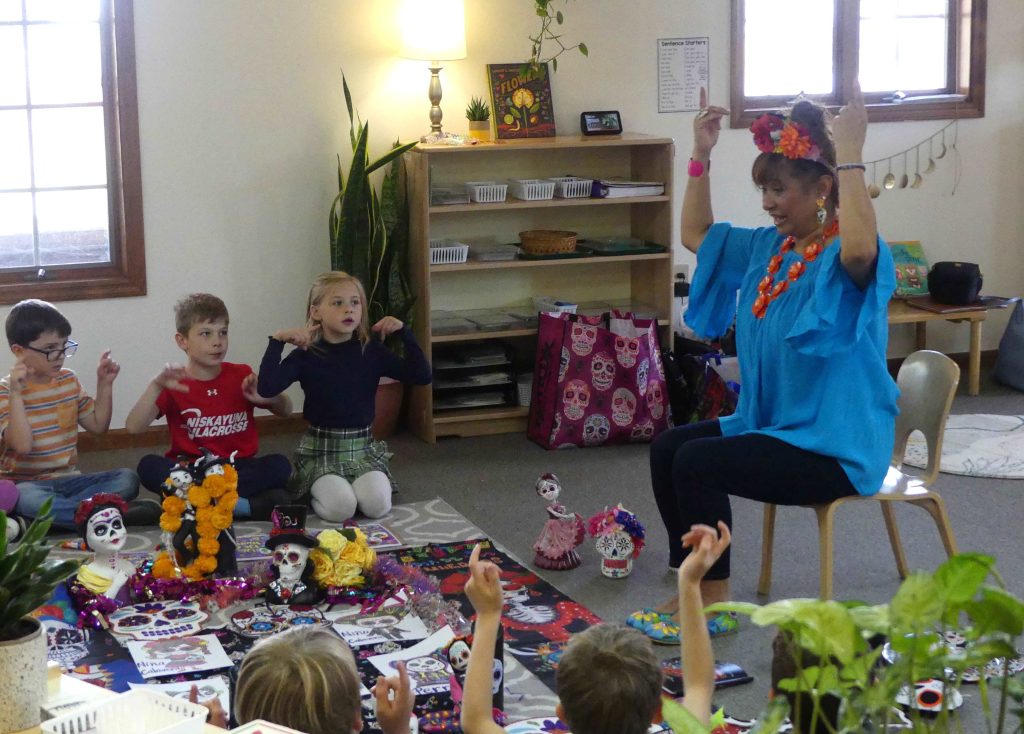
[[52, 355]]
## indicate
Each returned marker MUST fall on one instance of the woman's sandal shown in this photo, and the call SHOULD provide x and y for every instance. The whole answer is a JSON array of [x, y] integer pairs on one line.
[[664, 631]]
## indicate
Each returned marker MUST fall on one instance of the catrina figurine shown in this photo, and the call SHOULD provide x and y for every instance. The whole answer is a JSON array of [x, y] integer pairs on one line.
[[292, 568], [562, 533]]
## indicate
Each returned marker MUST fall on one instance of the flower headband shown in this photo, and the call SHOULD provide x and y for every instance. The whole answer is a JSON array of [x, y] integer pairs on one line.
[[777, 133], [97, 502], [613, 520]]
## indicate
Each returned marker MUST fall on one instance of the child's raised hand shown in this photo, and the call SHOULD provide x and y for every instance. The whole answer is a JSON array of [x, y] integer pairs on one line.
[[707, 547], [216, 715], [107, 370], [484, 586], [18, 377], [171, 377], [249, 390], [302, 337], [393, 711], [386, 326]]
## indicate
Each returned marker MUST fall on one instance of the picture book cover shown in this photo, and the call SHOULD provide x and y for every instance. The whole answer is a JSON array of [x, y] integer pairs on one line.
[[521, 100], [911, 269], [726, 674]]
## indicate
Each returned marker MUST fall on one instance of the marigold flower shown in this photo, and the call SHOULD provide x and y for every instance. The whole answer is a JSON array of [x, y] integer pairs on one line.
[[209, 546], [170, 523], [174, 505], [199, 496], [221, 518], [794, 142], [163, 567]]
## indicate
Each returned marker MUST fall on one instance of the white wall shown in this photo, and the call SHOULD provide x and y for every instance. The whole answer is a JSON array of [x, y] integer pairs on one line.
[[241, 116]]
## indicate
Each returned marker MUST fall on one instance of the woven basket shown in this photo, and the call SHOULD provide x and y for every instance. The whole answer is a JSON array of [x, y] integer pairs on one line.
[[547, 241]]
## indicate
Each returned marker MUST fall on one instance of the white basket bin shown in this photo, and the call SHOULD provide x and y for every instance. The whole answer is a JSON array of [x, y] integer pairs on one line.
[[486, 192], [550, 304], [447, 252], [524, 388], [135, 712], [570, 187], [532, 189]]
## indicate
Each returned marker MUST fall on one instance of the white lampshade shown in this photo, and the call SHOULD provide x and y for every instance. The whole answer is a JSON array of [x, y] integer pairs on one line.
[[433, 30]]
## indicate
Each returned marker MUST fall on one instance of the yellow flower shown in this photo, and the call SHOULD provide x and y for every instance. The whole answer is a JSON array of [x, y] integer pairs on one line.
[[522, 97], [199, 497], [209, 546], [174, 505], [348, 576], [170, 523], [323, 569], [331, 542], [163, 568]]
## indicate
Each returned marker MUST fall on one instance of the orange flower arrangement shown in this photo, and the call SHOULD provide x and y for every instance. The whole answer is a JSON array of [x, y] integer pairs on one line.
[[214, 503]]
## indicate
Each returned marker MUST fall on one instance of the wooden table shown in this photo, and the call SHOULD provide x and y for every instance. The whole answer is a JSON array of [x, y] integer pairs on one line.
[[900, 312]]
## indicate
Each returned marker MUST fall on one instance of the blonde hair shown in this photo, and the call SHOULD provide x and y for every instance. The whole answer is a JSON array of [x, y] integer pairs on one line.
[[324, 282], [600, 669], [304, 678]]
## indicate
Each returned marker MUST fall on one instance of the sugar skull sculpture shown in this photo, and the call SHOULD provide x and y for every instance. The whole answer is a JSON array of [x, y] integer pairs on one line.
[[620, 537], [292, 569], [562, 533]]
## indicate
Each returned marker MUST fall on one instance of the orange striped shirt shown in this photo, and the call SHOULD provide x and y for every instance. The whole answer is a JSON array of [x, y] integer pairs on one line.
[[53, 411]]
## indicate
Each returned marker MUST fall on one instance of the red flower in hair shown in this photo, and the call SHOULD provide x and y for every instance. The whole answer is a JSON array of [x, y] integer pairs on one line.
[[104, 499], [763, 127]]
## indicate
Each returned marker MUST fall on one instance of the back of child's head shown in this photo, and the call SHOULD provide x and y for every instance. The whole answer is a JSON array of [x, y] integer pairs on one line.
[[304, 678], [324, 282], [609, 681], [196, 308], [30, 318], [787, 659]]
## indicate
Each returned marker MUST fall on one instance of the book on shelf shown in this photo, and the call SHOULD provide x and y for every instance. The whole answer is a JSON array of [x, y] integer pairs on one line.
[[521, 100], [911, 268], [444, 195], [606, 188]]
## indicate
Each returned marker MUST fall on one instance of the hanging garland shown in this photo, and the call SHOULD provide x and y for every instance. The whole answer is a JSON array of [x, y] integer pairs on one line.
[[890, 181]]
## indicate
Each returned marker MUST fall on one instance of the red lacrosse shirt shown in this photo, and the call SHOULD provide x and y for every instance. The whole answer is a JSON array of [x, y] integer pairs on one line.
[[213, 415]]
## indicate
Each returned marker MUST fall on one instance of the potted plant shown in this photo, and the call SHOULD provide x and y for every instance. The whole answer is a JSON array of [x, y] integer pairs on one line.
[[369, 236], [27, 580], [479, 115], [944, 627]]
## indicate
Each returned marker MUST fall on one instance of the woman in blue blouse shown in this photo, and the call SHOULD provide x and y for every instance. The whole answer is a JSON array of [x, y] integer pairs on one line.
[[816, 414]]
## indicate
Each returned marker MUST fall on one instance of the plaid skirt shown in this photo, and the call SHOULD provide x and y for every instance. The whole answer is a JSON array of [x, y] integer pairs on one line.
[[347, 452]]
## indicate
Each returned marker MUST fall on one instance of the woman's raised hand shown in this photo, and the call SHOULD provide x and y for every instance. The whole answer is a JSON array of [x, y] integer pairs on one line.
[[707, 125], [849, 128]]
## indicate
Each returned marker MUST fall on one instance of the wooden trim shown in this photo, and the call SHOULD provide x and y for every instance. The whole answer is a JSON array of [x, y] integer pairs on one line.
[[119, 438]]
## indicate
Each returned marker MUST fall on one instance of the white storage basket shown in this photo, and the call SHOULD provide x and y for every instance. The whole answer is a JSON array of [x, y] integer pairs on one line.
[[524, 388], [570, 187], [447, 252], [532, 189], [550, 304], [486, 192], [135, 712]]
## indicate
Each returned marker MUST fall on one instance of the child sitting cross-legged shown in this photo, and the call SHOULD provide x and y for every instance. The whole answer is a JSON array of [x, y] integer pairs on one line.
[[306, 679], [609, 679]]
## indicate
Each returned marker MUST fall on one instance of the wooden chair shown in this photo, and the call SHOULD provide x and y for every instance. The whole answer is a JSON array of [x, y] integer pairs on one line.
[[927, 381]]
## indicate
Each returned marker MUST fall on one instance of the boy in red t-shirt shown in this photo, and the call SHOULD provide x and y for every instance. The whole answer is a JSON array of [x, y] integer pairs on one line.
[[209, 405]]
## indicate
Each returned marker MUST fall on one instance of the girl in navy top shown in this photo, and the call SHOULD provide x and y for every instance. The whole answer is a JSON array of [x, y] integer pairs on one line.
[[339, 363]]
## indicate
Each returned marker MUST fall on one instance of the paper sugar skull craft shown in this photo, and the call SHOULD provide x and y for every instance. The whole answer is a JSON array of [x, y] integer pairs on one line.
[[292, 570], [620, 538], [199, 501], [563, 531]]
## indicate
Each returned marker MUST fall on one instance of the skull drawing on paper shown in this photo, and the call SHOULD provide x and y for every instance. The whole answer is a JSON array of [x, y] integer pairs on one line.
[[616, 550], [576, 398], [428, 670], [623, 407], [65, 644], [602, 371], [583, 338]]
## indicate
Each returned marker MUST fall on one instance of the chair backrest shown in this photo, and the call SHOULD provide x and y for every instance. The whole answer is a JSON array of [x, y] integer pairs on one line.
[[927, 381]]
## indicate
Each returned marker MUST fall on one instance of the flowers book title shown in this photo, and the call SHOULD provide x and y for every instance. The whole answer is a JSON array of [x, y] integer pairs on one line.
[[521, 100]]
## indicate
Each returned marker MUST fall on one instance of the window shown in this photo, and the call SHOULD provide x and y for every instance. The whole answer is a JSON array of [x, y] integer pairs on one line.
[[916, 59], [70, 182]]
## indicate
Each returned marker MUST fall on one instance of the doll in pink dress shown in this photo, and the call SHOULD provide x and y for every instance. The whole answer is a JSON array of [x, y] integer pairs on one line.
[[564, 530]]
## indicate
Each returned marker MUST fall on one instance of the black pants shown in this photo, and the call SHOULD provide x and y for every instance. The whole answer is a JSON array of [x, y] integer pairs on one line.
[[694, 469]]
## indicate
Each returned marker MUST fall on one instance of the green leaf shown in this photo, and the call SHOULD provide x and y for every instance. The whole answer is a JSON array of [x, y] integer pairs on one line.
[[740, 607], [770, 720], [559, 17], [680, 719], [917, 604], [997, 611], [779, 612], [827, 630], [583, 49], [962, 575]]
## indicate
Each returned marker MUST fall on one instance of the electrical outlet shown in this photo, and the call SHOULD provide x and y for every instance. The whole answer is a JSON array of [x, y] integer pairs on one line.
[[681, 269]]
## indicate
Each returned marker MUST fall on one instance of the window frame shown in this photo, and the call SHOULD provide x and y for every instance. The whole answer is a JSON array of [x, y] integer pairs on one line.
[[125, 274], [967, 101]]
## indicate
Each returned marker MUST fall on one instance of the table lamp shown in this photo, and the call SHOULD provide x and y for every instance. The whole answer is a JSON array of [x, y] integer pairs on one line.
[[433, 31]]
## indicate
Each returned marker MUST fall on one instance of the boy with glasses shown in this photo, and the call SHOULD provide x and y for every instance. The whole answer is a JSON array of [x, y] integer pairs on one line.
[[41, 406]]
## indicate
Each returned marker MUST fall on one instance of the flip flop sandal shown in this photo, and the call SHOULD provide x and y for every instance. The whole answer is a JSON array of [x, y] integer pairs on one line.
[[640, 620]]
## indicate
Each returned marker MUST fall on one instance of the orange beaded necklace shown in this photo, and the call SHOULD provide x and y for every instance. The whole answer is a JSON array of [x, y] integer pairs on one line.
[[767, 291]]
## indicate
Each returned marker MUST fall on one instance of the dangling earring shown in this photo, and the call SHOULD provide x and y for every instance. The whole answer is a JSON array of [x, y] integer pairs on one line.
[[822, 212]]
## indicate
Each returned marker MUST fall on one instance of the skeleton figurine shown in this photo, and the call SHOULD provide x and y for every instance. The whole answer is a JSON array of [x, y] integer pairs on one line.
[[620, 537], [562, 533], [293, 571]]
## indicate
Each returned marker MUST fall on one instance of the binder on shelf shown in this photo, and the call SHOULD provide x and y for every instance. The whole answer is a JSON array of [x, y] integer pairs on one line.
[[614, 189]]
